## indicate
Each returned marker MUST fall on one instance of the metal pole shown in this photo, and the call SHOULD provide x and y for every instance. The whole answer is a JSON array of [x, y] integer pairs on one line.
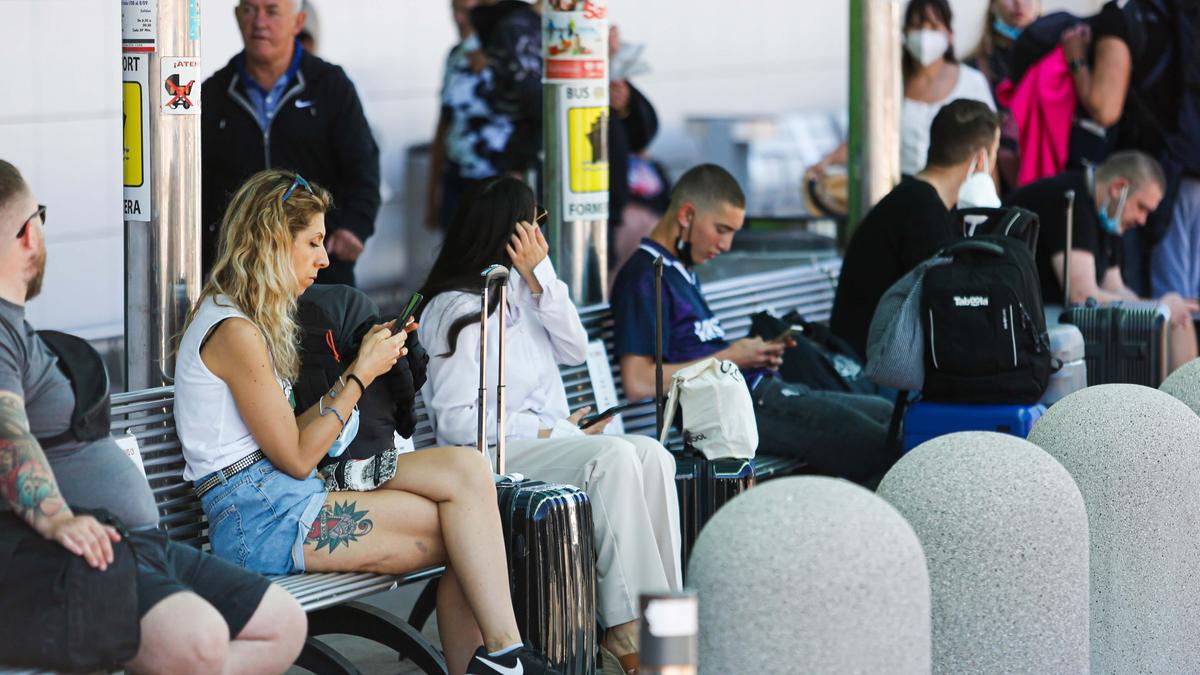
[[575, 178], [162, 255], [876, 90]]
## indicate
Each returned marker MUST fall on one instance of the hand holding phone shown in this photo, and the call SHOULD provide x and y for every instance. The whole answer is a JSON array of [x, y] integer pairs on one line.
[[409, 309], [596, 418]]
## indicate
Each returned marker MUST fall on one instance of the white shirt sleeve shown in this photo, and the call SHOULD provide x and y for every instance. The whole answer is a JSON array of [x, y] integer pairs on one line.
[[557, 314], [453, 386]]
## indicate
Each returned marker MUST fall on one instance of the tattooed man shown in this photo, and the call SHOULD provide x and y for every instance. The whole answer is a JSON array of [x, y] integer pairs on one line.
[[198, 613]]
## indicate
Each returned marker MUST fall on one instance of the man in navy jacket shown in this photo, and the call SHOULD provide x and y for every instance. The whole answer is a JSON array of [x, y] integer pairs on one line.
[[276, 106]]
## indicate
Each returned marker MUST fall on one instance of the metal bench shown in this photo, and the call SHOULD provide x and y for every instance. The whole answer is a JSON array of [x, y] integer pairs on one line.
[[327, 597], [808, 289]]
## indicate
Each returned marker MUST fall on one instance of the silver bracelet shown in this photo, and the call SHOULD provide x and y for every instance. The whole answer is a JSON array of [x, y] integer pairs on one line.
[[333, 393], [323, 409]]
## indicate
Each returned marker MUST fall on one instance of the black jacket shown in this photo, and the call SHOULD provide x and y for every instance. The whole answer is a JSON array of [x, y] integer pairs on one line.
[[319, 131], [346, 314]]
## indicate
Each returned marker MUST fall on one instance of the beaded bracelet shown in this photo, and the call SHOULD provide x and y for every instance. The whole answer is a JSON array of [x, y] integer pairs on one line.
[[323, 409]]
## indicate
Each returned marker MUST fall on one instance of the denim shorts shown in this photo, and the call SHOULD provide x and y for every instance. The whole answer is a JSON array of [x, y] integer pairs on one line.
[[260, 517]]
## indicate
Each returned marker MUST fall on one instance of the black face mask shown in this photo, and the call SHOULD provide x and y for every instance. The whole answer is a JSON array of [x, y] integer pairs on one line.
[[683, 248]]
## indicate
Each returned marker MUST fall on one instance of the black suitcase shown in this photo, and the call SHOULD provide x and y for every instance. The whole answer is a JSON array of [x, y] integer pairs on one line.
[[1124, 342], [547, 534], [704, 486]]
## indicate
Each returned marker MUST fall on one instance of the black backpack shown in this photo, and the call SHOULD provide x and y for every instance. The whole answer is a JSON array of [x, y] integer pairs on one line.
[[84, 368], [333, 320], [986, 339]]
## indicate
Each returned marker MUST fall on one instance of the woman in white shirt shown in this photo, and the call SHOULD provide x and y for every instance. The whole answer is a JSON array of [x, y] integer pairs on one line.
[[252, 460], [630, 479], [932, 78]]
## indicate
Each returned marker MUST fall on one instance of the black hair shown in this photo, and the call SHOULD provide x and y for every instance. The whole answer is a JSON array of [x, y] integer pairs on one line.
[[916, 13], [959, 130], [707, 185], [477, 238]]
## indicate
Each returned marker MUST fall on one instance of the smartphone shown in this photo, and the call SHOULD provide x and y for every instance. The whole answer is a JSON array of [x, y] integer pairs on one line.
[[793, 332], [409, 310], [596, 418]]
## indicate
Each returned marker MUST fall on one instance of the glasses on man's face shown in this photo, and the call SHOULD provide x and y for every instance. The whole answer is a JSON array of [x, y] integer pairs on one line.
[[299, 182], [542, 215], [40, 213]]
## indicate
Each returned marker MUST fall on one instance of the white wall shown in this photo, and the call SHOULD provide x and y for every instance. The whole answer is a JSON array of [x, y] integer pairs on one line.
[[60, 123], [60, 103]]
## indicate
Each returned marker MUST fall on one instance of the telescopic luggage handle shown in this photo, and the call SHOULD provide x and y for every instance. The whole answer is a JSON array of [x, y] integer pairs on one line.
[[1070, 195], [496, 274], [658, 349]]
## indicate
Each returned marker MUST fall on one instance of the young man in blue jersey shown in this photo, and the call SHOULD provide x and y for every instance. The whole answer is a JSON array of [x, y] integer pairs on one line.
[[837, 434]]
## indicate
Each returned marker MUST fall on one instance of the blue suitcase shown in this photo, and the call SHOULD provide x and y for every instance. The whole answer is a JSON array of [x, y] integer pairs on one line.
[[926, 420]]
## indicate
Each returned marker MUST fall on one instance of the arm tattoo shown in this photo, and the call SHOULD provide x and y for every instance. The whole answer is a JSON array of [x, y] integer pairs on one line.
[[338, 525], [26, 482]]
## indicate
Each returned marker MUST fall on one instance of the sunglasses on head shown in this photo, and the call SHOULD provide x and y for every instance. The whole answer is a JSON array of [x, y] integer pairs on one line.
[[299, 182], [40, 213]]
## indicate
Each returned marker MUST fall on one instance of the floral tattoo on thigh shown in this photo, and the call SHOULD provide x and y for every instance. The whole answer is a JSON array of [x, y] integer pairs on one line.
[[338, 525]]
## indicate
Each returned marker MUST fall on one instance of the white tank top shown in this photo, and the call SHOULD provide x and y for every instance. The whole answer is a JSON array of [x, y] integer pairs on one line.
[[207, 420]]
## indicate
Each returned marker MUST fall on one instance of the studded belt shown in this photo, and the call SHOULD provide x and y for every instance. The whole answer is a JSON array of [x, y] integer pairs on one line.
[[229, 472]]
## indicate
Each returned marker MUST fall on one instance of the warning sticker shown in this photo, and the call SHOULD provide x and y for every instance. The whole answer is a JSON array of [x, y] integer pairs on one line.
[[138, 19], [136, 125], [181, 85], [585, 152], [588, 132]]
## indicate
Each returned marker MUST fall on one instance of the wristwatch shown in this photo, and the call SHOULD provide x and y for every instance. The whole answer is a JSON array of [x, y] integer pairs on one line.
[[1077, 64]]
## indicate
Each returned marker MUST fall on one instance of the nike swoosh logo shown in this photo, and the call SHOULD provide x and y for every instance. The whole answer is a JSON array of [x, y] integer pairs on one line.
[[518, 670], [303, 104]]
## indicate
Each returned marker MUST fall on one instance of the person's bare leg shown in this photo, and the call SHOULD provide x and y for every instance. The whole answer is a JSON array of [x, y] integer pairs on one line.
[[446, 501], [272, 639], [459, 480], [1183, 344], [456, 623], [182, 635]]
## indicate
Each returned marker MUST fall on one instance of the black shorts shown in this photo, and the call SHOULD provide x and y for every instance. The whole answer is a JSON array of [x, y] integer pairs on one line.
[[166, 567]]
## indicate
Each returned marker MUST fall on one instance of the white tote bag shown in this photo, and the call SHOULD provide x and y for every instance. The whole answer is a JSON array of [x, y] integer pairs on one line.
[[718, 413]]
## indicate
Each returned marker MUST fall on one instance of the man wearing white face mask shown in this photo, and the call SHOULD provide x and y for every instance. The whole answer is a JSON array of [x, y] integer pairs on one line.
[[914, 220], [1110, 199]]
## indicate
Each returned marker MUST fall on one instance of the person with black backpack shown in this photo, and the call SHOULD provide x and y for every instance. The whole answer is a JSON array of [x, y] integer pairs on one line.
[[87, 580], [914, 220]]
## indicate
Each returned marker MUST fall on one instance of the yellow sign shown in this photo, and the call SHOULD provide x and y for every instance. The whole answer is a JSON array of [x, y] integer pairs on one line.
[[134, 174], [587, 133]]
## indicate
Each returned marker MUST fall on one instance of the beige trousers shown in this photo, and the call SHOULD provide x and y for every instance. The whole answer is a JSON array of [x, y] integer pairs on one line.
[[635, 508]]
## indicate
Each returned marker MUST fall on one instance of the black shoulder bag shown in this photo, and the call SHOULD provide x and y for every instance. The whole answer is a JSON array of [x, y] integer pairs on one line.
[[59, 613]]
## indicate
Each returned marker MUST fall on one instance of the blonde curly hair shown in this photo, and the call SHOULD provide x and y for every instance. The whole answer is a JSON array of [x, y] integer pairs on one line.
[[254, 260]]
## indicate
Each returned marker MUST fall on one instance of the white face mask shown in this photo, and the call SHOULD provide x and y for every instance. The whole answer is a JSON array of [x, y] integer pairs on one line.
[[978, 191], [926, 45]]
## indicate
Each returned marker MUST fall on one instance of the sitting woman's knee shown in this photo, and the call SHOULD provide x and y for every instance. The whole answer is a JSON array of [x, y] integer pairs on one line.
[[470, 467]]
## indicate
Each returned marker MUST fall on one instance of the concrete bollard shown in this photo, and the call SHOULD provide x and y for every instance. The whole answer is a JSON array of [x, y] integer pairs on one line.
[[1184, 384], [1005, 535], [811, 575], [1134, 452]]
